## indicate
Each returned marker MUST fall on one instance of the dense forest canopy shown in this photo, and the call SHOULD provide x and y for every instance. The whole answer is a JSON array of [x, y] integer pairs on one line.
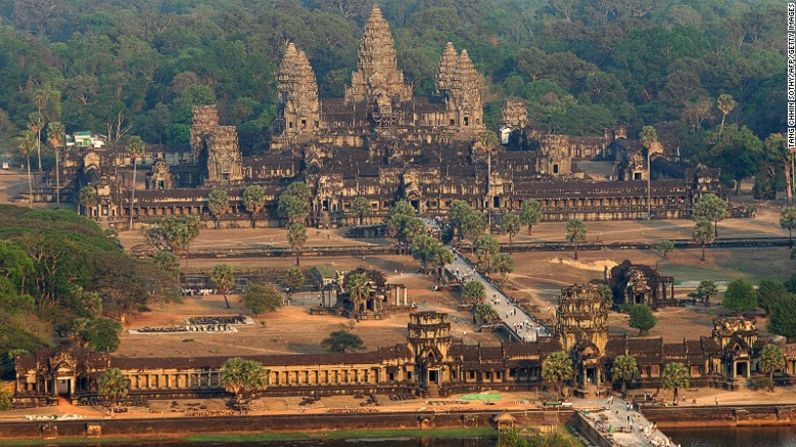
[[580, 64], [62, 273]]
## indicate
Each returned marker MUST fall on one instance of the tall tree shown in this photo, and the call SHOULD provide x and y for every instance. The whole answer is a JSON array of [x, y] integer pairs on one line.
[[36, 125], [772, 359], [474, 292], [503, 264], [402, 223], [242, 378], [56, 136], [135, 147], [641, 318], [294, 279], [725, 103], [296, 238], [624, 369], [675, 376], [531, 213], [253, 200], [576, 233], [703, 235], [510, 224], [25, 145], [485, 248], [113, 385], [787, 220], [218, 204], [294, 202], [224, 280], [361, 207], [558, 368], [712, 208]]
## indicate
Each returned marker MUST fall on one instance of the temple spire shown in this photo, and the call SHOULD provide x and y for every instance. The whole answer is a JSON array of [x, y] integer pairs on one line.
[[298, 92], [377, 72], [446, 67]]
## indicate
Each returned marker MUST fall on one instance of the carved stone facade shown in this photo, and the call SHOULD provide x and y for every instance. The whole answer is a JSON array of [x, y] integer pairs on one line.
[[430, 363]]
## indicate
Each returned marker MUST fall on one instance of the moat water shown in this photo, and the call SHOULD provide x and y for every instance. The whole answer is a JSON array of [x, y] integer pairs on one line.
[[709, 437]]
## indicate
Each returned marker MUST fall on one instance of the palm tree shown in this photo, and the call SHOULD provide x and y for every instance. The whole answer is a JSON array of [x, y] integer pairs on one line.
[[243, 377], [531, 213], [510, 224], [253, 200], [675, 376], [576, 233], [35, 125], [297, 237], [135, 146], [361, 207], [649, 136], [224, 279], [40, 97], [624, 369], [56, 134], [703, 235], [217, 203], [358, 286], [25, 147], [557, 368], [726, 104], [113, 385], [487, 143]]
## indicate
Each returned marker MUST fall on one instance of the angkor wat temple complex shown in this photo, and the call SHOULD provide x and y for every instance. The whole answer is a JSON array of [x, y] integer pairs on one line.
[[382, 143]]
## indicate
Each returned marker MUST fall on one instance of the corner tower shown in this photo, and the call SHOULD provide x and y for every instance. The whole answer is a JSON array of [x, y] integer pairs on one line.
[[377, 73], [297, 89]]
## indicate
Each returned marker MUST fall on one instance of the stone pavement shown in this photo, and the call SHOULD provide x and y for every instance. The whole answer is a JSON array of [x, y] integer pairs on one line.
[[624, 426]]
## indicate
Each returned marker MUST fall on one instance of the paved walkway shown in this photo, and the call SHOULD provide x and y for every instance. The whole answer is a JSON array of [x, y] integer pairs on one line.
[[625, 427], [521, 325]]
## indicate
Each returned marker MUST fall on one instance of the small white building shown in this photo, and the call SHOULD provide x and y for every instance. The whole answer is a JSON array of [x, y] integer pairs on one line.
[[86, 139]]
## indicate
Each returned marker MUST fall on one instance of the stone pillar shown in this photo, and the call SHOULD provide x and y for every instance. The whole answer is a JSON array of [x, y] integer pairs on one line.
[[405, 301]]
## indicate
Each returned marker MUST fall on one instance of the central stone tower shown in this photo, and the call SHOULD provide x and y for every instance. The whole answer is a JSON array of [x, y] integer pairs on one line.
[[377, 76]]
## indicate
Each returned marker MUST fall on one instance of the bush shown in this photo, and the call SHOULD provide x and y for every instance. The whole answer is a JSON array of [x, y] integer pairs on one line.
[[761, 383], [261, 298], [641, 318], [740, 296]]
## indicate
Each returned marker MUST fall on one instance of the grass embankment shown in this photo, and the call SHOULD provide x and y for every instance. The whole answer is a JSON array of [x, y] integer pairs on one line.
[[265, 437]]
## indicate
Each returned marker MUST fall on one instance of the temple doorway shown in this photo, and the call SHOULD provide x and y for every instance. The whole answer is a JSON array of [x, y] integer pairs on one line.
[[591, 375], [742, 369], [415, 204], [433, 376]]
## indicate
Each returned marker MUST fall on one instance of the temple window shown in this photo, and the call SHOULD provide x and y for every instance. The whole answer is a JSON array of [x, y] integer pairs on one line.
[[290, 125], [555, 169], [303, 124], [466, 121]]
